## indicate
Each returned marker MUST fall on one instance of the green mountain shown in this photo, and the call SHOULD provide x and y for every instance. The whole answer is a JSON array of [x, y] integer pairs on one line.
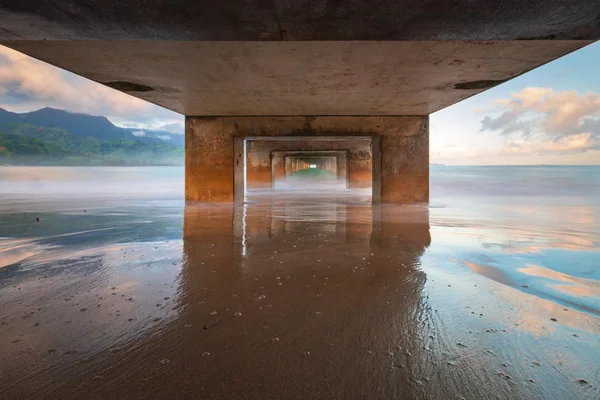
[[56, 137]]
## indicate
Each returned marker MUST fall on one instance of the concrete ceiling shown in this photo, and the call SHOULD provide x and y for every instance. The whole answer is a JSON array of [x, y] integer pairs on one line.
[[299, 78], [245, 20], [299, 57]]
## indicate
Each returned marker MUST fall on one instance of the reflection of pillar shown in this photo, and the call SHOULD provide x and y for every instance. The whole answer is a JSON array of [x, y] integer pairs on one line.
[[401, 228], [290, 305], [358, 223], [214, 233]]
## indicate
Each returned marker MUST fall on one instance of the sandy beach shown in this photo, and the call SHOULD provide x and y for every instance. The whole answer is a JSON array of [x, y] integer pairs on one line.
[[118, 293]]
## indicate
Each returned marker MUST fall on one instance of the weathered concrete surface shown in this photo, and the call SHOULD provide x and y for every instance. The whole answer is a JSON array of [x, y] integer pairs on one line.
[[404, 143], [405, 161], [278, 166], [300, 20], [209, 161], [259, 171], [299, 78], [342, 167]]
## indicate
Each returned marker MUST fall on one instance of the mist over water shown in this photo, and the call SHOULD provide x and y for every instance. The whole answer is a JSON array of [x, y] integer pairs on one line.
[[35, 188], [109, 284]]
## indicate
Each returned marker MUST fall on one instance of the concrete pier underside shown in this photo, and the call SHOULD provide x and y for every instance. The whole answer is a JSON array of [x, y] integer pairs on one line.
[[261, 159], [281, 163], [300, 65], [400, 152]]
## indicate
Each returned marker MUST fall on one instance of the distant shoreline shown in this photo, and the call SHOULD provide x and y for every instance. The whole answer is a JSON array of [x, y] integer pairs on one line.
[[520, 165], [183, 165], [90, 165]]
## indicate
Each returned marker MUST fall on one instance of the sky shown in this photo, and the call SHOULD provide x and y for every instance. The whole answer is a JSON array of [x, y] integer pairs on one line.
[[27, 84], [550, 115]]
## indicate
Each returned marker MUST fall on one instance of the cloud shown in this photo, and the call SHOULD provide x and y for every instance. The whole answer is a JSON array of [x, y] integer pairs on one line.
[[27, 84], [139, 133], [177, 127], [543, 121], [172, 126], [564, 145], [164, 137]]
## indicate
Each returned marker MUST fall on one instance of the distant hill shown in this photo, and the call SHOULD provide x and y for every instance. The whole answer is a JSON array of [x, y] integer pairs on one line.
[[58, 137]]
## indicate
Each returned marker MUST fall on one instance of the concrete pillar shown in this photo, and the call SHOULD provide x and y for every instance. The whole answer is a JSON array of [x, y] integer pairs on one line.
[[208, 160], [341, 166], [288, 166], [259, 173], [278, 168], [405, 161], [398, 160], [360, 167]]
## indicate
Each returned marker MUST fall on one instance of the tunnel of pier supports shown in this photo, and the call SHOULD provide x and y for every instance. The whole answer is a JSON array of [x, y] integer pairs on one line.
[[266, 158], [281, 163], [270, 161], [251, 69], [216, 152]]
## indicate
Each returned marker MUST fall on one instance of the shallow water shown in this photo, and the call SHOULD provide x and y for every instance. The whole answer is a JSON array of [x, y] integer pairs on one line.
[[122, 291]]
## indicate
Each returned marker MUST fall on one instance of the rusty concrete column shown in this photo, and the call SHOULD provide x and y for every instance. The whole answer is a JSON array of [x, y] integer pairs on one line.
[[277, 168], [393, 159], [405, 161], [342, 167], [208, 160], [258, 165], [288, 166], [360, 167]]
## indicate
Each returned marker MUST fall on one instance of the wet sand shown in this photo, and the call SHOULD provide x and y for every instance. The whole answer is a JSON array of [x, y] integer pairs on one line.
[[288, 297]]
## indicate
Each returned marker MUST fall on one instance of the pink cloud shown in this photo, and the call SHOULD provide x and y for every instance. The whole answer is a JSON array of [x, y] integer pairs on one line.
[[36, 84], [560, 113]]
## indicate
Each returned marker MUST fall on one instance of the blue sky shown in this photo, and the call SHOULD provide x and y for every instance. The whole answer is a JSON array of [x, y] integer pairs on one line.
[[550, 115], [555, 118]]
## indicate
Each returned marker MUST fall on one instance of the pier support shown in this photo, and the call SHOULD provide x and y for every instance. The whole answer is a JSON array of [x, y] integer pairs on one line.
[[397, 152]]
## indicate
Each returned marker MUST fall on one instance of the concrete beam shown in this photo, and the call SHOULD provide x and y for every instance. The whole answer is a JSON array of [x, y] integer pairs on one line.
[[300, 20], [298, 78]]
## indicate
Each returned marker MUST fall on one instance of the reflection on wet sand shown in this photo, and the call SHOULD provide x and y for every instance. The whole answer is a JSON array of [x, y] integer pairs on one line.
[[273, 301], [297, 304], [288, 298]]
